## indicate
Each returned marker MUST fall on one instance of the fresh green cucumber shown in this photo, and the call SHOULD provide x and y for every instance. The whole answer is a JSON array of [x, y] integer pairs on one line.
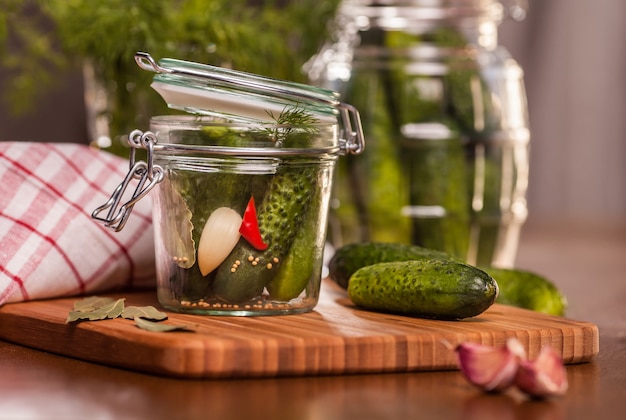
[[246, 271], [528, 290], [438, 289], [349, 258]]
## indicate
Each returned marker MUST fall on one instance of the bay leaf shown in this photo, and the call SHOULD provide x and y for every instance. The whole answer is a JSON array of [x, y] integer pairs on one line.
[[145, 312], [147, 325], [180, 246], [90, 303], [110, 310]]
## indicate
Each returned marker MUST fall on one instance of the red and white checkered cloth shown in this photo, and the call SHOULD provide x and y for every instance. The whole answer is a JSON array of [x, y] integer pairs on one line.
[[49, 244]]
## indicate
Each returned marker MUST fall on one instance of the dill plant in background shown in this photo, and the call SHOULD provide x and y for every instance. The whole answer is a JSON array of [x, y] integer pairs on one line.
[[40, 39]]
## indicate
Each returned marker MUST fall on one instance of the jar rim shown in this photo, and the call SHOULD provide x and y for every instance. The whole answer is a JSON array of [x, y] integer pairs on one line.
[[215, 121], [163, 125]]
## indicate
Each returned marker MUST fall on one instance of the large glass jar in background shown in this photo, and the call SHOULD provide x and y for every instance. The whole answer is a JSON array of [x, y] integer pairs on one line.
[[444, 112]]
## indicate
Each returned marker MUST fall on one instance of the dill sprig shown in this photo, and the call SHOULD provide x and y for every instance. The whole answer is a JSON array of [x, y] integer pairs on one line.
[[289, 121]]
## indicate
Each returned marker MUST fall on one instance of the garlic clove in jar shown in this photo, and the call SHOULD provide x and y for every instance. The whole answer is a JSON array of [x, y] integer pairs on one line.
[[219, 236], [490, 368], [543, 377]]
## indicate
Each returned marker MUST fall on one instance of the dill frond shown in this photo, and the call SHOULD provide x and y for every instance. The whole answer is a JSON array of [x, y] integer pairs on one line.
[[289, 121]]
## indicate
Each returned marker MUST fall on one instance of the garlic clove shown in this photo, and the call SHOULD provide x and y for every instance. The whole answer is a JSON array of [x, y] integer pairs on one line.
[[543, 377], [219, 236], [490, 368]]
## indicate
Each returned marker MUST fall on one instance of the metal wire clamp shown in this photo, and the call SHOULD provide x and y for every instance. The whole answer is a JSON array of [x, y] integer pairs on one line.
[[147, 174]]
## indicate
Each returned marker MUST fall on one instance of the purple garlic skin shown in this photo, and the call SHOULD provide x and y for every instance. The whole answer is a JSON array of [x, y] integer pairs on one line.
[[543, 377], [491, 369], [495, 369]]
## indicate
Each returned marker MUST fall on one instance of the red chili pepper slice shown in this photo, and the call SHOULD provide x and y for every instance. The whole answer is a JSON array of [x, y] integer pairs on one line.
[[249, 228]]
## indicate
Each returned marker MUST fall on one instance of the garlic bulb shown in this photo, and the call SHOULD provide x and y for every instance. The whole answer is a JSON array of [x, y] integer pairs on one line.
[[218, 238]]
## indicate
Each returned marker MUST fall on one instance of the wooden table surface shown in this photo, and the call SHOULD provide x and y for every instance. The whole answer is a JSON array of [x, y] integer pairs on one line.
[[588, 264]]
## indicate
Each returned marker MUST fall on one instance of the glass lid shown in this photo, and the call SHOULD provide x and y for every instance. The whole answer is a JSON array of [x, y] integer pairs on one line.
[[210, 90], [202, 89]]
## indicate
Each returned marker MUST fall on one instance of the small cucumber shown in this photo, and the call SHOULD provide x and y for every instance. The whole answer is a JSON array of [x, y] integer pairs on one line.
[[528, 290], [349, 258], [296, 271], [301, 265], [281, 213], [438, 289]]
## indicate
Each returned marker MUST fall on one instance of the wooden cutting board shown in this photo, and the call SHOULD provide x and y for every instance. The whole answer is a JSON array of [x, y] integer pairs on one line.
[[336, 338]]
